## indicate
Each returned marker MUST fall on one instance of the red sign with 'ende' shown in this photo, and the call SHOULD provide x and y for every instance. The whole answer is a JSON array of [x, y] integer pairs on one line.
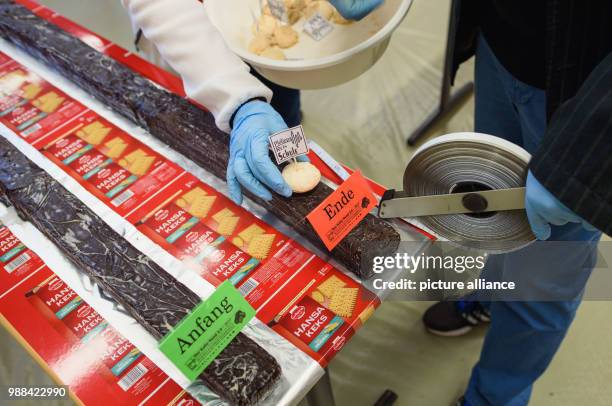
[[341, 211]]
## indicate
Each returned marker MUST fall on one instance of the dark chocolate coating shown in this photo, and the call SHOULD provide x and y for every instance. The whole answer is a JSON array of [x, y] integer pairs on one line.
[[242, 374], [180, 124]]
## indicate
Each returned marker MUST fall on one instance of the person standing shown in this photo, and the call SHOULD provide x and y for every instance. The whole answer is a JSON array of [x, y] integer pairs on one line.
[[178, 34], [543, 80]]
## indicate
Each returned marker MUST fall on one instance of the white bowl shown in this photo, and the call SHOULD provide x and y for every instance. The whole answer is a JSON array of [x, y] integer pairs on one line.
[[347, 52]]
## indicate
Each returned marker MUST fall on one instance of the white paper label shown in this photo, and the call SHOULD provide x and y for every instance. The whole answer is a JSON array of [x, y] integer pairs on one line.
[[288, 144], [317, 27], [278, 10]]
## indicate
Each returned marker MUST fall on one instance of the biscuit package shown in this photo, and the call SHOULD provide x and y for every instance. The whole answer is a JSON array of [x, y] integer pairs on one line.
[[315, 328], [183, 214], [66, 333], [345, 297]]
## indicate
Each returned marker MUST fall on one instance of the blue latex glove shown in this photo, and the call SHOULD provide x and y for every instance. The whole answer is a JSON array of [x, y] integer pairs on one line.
[[355, 9], [249, 162], [544, 209]]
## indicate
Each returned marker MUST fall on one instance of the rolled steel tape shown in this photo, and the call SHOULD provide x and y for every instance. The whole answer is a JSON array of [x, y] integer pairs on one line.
[[461, 160]]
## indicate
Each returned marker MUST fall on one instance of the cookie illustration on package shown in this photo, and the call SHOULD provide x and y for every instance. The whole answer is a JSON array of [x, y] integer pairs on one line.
[[94, 133], [260, 245], [318, 296], [251, 231], [137, 162], [343, 301], [330, 285], [31, 91], [221, 214], [365, 315], [48, 102], [114, 148], [196, 202], [227, 225], [238, 242]]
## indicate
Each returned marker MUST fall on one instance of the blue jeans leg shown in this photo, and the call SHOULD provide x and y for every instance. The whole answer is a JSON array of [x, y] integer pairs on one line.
[[284, 100], [507, 109], [524, 336], [494, 112]]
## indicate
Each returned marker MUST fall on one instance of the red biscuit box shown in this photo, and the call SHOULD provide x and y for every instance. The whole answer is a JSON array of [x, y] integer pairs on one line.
[[67, 149], [112, 179], [314, 329], [230, 263], [10, 102], [16, 89], [23, 116], [80, 323], [198, 240], [119, 352], [54, 299], [170, 222], [84, 322], [213, 256], [89, 163], [41, 133], [15, 258]]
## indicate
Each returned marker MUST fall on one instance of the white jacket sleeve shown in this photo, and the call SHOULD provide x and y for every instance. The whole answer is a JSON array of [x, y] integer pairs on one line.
[[188, 41]]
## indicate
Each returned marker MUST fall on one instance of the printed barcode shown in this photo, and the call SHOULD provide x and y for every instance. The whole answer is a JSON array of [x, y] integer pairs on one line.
[[122, 198], [247, 287], [134, 375], [30, 130], [17, 262]]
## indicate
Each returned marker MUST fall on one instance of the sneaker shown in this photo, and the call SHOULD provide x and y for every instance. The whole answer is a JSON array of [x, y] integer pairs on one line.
[[453, 319]]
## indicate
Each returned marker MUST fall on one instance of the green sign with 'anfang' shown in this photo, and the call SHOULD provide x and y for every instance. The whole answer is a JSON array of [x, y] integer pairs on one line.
[[197, 340]]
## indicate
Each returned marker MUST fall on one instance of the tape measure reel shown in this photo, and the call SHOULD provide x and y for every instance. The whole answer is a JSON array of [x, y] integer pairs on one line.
[[471, 162]]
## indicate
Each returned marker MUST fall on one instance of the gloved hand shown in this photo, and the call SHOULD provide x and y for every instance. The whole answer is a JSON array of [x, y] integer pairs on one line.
[[544, 209], [249, 162], [355, 9]]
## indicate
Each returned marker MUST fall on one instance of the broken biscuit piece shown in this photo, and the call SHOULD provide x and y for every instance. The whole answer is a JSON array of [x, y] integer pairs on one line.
[[318, 296], [338, 19], [285, 36], [324, 8], [301, 177], [265, 26], [259, 44], [238, 242], [273, 53], [365, 315]]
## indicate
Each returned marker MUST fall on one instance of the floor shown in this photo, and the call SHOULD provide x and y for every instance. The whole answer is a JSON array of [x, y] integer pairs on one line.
[[364, 124]]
